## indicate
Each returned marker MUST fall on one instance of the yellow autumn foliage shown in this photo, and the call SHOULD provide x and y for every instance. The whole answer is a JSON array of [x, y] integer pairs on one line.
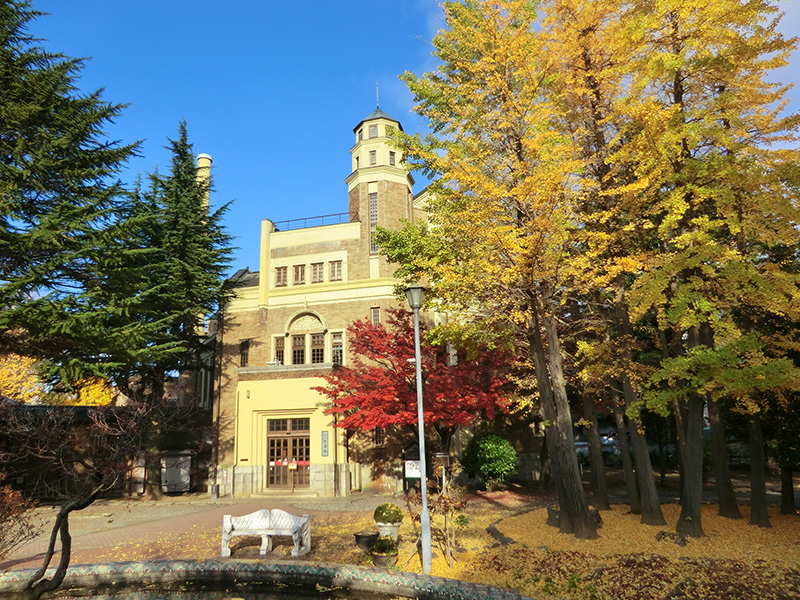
[[18, 379]]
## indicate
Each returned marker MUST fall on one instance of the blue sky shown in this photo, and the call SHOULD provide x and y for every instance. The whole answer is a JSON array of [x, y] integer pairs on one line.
[[270, 89]]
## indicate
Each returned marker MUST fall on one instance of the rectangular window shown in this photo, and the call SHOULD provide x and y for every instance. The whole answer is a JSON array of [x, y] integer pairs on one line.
[[378, 436], [299, 274], [356, 162], [302, 424], [298, 349], [391, 158], [337, 349], [360, 134], [279, 350], [244, 353], [281, 276], [375, 315], [317, 348], [317, 273], [373, 131], [373, 157], [279, 424], [336, 270], [373, 222]]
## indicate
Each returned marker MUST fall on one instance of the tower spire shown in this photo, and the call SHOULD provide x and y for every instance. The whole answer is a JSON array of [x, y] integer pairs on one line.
[[377, 96]]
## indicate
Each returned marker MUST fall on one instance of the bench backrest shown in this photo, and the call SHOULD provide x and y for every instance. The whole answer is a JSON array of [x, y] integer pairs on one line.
[[283, 520], [261, 519]]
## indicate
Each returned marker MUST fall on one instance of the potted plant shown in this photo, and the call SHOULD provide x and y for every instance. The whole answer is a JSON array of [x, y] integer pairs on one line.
[[388, 517], [366, 539], [384, 552]]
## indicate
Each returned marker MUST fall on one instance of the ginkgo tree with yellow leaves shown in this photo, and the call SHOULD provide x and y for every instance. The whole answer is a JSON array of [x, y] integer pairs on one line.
[[626, 155], [21, 381], [504, 201]]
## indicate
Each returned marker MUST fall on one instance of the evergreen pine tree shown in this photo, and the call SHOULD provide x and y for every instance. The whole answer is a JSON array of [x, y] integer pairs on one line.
[[180, 277], [59, 202]]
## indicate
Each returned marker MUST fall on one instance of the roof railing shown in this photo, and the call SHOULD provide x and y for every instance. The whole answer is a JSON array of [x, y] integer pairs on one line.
[[308, 222]]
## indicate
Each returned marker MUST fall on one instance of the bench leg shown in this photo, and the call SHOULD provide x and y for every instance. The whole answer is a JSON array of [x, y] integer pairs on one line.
[[302, 542], [226, 544], [266, 544]]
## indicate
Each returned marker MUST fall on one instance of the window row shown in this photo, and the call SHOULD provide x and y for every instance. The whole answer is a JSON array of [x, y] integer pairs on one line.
[[372, 131], [373, 158], [308, 349], [317, 273]]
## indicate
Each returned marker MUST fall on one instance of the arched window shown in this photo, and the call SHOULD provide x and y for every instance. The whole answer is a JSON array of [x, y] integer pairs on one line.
[[308, 340]]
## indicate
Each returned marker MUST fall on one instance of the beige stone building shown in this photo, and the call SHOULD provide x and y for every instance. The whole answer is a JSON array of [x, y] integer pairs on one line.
[[286, 328]]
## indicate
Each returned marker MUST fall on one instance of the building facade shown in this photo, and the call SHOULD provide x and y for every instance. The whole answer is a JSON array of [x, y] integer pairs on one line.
[[287, 327]]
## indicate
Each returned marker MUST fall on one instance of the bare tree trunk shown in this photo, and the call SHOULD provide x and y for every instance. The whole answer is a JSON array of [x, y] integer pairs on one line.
[[758, 484], [787, 492], [37, 586], [726, 497], [625, 452], [598, 471]]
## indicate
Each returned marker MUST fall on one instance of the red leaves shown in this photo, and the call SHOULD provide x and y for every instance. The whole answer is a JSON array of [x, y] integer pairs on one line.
[[379, 387]]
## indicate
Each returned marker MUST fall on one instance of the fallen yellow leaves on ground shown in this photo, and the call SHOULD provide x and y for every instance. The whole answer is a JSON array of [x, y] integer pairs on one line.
[[735, 561]]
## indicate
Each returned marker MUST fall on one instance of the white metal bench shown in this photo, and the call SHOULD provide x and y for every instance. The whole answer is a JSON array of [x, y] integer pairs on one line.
[[268, 523]]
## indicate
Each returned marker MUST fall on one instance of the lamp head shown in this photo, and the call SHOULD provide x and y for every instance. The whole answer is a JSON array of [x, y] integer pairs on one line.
[[415, 294]]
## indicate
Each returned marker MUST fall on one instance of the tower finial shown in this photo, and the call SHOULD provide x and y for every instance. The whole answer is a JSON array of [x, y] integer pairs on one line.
[[377, 96]]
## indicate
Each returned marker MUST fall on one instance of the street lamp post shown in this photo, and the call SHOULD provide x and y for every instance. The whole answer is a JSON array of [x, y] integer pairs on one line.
[[415, 294]]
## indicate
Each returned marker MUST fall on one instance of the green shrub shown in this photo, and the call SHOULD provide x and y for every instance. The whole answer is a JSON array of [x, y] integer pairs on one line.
[[492, 458], [388, 512], [384, 545]]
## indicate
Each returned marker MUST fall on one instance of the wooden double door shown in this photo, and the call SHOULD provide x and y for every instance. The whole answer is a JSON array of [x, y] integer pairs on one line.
[[288, 453]]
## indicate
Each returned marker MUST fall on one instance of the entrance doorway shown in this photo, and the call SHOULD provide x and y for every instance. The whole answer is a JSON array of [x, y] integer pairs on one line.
[[288, 453]]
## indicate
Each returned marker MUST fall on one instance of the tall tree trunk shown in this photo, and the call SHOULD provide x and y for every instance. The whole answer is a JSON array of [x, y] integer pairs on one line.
[[153, 489], [625, 452], [758, 484], [726, 497], [574, 515], [651, 504], [787, 492], [690, 522], [553, 449], [598, 471], [648, 494], [679, 414]]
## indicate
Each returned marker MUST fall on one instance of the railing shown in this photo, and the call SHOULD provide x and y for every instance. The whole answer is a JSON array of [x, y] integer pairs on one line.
[[336, 219]]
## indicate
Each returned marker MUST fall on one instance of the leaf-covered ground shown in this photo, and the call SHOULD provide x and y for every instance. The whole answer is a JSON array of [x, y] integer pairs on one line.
[[736, 561]]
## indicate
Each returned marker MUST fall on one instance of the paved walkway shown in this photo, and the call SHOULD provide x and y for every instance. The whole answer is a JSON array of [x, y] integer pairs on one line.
[[107, 524]]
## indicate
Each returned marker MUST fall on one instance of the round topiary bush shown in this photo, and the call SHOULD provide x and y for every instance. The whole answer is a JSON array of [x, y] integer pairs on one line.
[[388, 512], [492, 459]]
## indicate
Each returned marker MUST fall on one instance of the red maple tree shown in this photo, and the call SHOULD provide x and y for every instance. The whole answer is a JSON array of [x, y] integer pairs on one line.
[[379, 388]]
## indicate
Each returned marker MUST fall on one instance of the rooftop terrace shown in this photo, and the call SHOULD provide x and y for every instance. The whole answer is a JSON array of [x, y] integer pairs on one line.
[[308, 222]]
